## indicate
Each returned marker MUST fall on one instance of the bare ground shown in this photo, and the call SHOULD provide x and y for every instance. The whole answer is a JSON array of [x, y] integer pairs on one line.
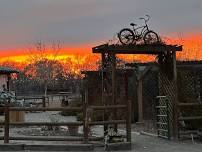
[[140, 143]]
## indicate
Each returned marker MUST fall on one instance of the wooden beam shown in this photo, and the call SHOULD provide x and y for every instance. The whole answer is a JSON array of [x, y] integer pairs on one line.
[[128, 121], [51, 138], [107, 107], [85, 116], [43, 123], [140, 101], [43, 109], [190, 118], [175, 101], [190, 104], [6, 124], [107, 122], [113, 65], [136, 49]]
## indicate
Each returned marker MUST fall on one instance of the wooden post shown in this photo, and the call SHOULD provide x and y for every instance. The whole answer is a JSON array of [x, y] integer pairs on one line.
[[8, 82], [6, 125], [175, 101], [140, 101], [44, 101], [103, 92], [126, 86], [113, 66], [85, 115], [128, 121], [128, 114]]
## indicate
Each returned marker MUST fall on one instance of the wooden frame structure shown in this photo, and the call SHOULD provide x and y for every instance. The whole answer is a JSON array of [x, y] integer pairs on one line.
[[92, 100], [108, 53]]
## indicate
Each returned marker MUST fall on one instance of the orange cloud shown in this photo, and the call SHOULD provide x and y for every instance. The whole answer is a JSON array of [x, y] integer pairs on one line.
[[82, 58]]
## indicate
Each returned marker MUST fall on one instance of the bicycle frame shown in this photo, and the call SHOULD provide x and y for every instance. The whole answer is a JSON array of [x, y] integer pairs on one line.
[[145, 28]]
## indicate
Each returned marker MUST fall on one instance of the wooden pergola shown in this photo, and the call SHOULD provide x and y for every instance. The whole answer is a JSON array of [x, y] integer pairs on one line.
[[109, 68]]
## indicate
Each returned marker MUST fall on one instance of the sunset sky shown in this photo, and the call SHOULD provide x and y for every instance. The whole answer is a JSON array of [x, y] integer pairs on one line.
[[79, 25]]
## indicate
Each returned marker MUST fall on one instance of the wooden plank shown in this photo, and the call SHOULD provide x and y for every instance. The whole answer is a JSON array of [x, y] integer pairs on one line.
[[136, 49], [163, 130], [107, 122], [190, 118], [44, 102], [175, 101], [128, 121], [43, 109], [140, 101], [190, 104], [44, 123], [107, 107], [28, 98], [85, 116], [6, 124], [160, 107], [51, 138], [161, 115], [113, 65]]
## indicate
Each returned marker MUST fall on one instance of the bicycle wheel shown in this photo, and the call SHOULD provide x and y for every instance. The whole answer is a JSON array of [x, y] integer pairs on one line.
[[150, 37], [126, 36]]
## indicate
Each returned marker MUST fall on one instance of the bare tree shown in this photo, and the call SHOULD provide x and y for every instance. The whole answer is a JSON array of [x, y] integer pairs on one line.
[[41, 68]]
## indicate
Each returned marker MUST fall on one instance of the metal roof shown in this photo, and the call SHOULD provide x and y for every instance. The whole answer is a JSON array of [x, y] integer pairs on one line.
[[6, 70]]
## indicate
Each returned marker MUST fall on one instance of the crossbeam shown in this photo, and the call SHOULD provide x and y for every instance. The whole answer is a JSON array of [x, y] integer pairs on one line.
[[136, 49]]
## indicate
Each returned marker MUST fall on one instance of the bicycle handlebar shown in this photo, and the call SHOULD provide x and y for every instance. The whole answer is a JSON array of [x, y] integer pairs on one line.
[[145, 20]]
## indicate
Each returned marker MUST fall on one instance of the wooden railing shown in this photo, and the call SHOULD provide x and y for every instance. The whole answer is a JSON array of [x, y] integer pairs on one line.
[[85, 123]]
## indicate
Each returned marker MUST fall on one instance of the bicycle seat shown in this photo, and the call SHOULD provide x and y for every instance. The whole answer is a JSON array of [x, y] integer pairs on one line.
[[132, 24]]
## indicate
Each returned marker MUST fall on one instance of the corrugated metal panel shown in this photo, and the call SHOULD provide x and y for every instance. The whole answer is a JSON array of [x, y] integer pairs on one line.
[[5, 70]]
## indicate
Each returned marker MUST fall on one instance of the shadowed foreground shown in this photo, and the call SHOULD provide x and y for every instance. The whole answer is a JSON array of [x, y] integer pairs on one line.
[[143, 143]]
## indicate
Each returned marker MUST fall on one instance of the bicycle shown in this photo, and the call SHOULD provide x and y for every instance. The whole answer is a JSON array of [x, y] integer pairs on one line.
[[131, 36]]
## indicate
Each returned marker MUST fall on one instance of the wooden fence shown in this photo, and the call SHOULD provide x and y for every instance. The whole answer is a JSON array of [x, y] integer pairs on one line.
[[85, 123]]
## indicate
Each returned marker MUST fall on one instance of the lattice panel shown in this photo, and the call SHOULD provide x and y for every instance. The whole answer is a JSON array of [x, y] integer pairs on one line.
[[167, 88], [163, 116], [150, 91], [189, 91], [189, 86]]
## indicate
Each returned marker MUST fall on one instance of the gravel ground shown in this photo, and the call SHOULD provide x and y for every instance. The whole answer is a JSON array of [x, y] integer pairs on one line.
[[51, 116], [143, 143]]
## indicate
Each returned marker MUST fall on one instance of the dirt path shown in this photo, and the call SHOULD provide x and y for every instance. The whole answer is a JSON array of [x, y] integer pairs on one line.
[[143, 143]]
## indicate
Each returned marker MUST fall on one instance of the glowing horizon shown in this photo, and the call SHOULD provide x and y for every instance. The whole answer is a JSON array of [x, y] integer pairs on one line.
[[83, 55]]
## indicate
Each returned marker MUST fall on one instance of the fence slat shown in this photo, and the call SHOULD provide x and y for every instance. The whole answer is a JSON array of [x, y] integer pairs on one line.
[[44, 123], [190, 118], [51, 138], [107, 122], [43, 109], [107, 107]]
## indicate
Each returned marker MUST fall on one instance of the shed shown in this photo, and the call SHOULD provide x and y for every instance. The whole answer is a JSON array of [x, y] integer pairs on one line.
[[5, 76]]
